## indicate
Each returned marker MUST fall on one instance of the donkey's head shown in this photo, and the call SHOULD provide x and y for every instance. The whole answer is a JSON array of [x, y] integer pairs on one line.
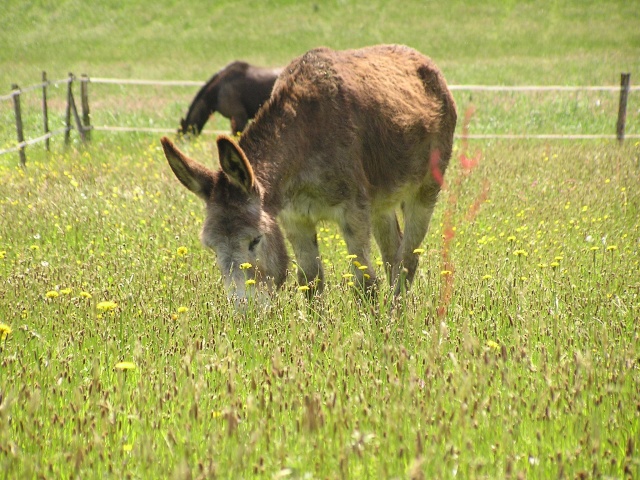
[[184, 127], [248, 242]]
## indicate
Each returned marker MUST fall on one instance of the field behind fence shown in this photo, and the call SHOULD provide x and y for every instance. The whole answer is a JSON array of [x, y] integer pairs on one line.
[[86, 104]]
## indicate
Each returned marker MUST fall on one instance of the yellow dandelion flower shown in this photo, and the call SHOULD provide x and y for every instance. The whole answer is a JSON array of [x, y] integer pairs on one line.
[[127, 448], [418, 251], [86, 295], [65, 291], [52, 294], [612, 247], [347, 275], [492, 344], [34, 247], [487, 277], [303, 288], [351, 284], [362, 267], [543, 265], [125, 366], [251, 281], [245, 266], [511, 238], [593, 249], [366, 276], [5, 331], [554, 264], [351, 256], [182, 251], [519, 253], [3, 253], [107, 306], [444, 273], [183, 309]]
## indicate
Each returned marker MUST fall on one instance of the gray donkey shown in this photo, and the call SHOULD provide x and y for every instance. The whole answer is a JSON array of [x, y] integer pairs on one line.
[[347, 136]]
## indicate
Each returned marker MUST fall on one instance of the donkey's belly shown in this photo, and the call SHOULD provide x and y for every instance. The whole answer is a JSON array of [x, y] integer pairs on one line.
[[387, 200], [306, 208]]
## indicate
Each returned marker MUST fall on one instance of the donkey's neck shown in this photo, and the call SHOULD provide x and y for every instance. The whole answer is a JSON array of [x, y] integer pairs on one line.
[[274, 156]]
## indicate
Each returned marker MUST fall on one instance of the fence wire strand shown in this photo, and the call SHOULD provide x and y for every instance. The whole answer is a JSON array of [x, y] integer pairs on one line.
[[192, 83]]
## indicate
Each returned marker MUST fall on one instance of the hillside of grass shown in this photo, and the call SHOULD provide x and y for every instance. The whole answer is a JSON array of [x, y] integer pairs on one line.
[[492, 42]]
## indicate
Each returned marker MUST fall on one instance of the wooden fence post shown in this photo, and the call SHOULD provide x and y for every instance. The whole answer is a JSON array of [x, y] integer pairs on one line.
[[71, 108], [67, 116], [45, 111], [622, 108], [16, 107], [84, 97], [76, 117]]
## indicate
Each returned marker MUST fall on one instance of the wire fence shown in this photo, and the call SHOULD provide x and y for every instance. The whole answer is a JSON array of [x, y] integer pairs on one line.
[[80, 121]]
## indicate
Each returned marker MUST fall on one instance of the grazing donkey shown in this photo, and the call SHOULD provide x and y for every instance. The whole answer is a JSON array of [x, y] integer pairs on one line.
[[237, 92], [347, 136]]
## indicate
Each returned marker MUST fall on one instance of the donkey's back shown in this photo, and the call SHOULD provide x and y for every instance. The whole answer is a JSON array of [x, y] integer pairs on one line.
[[357, 122]]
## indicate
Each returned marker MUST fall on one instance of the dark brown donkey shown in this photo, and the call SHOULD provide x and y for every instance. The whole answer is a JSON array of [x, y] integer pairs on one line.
[[237, 92], [348, 136]]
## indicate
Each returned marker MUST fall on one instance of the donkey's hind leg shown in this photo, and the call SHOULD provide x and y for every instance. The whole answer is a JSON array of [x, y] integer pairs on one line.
[[417, 216], [386, 231]]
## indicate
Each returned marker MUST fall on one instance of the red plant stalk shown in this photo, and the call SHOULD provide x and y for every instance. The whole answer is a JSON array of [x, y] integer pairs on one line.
[[468, 164]]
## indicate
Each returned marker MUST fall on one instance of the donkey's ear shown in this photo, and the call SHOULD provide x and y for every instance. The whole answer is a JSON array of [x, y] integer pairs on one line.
[[193, 175], [234, 163]]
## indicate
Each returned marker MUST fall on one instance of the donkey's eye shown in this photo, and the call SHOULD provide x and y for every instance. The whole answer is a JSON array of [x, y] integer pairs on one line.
[[254, 243]]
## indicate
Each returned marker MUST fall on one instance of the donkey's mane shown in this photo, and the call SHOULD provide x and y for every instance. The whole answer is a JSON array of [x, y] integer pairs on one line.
[[306, 80]]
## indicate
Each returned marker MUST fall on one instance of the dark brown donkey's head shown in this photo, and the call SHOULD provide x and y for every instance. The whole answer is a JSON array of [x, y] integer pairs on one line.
[[347, 136]]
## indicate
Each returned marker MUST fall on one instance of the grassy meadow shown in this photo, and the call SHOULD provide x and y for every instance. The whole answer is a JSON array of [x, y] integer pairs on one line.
[[515, 355]]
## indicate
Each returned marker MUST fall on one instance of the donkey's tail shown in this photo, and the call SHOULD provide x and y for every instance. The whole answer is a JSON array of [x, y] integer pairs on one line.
[[436, 85]]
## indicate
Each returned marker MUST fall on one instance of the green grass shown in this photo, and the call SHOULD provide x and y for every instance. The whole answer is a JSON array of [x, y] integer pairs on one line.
[[534, 360], [492, 42], [516, 352]]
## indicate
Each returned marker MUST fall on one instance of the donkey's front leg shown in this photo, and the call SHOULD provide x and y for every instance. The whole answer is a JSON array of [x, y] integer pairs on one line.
[[239, 121], [387, 233], [356, 230], [301, 232]]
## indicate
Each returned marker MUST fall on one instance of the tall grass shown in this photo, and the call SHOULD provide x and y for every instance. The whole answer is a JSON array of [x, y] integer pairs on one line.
[[531, 367]]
